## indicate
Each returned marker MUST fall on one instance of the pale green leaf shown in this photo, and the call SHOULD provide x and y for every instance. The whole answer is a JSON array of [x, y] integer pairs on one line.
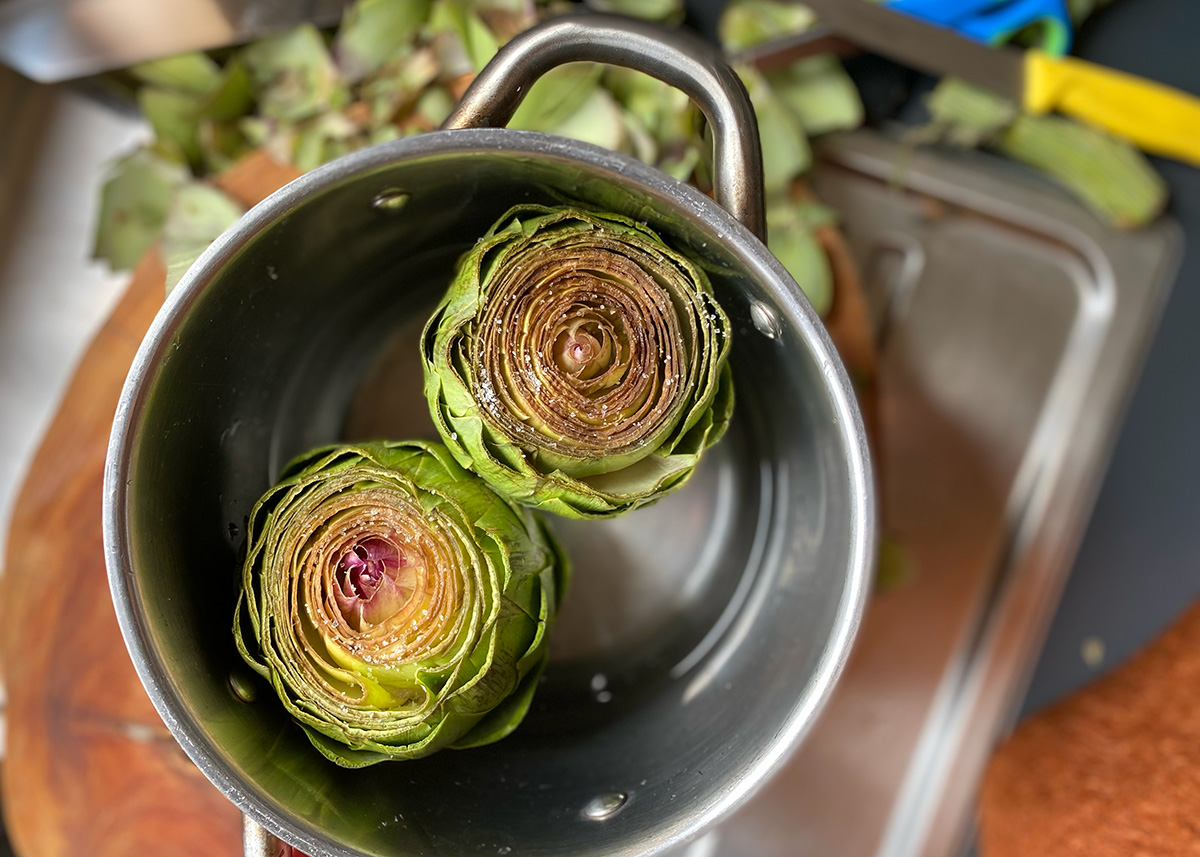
[[194, 73], [175, 118], [375, 32], [198, 215], [465, 43], [790, 238], [293, 74], [557, 96], [671, 11], [1106, 173], [820, 93], [746, 23], [435, 105], [598, 121], [134, 203], [786, 153]]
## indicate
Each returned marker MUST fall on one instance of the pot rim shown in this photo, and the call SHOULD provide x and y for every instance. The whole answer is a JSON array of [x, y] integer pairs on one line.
[[714, 219]]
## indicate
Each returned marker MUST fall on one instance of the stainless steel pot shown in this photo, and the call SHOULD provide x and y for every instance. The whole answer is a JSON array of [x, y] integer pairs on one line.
[[702, 635]]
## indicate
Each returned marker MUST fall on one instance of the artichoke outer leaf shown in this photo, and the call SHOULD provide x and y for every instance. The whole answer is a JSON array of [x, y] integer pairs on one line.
[[198, 215], [175, 118], [192, 73], [293, 74], [790, 238], [819, 93], [785, 147], [134, 203], [556, 96], [746, 23], [376, 31]]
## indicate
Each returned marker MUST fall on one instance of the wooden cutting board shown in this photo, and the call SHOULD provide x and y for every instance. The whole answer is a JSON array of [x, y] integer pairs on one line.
[[90, 770]]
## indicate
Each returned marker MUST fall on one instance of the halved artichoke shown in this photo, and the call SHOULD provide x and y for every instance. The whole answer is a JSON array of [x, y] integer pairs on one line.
[[396, 604], [577, 363]]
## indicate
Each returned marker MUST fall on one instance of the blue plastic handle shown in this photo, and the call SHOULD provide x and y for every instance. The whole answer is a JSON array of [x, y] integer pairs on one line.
[[996, 21]]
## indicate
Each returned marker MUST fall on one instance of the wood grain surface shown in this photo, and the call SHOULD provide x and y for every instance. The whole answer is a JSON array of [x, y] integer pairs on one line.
[[91, 771]]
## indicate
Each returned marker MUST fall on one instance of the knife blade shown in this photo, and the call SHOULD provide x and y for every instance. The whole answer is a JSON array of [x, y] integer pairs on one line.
[[1158, 118]]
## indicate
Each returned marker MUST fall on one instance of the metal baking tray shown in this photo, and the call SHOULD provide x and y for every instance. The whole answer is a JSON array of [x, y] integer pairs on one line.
[[1012, 325]]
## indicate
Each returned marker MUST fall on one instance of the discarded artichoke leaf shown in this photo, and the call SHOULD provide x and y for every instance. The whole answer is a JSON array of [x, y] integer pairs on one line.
[[434, 105], [968, 116], [680, 164], [168, 151], [232, 97], [790, 238], [193, 74], [276, 137], [1108, 174], [557, 96], [323, 138], [820, 93], [577, 363], [452, 60], [384, 134], [786, 153], [308, 151], [256, 129], [599, 121], [399, 83], [746, 23], [667, 11], [221, 144], [664, 111], [134, 202], [507, 18], [198, 215], [635, 139], [175, 118], [816, 214], [293, 75], [456, 21], [396, 604], [376, 32], [639, 93], [511, 7]]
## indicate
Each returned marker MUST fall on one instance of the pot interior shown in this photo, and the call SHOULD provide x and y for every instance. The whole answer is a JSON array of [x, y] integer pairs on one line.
[[695, 642]]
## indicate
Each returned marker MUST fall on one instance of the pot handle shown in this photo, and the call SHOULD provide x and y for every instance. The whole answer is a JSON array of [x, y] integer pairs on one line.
[[673, 56]]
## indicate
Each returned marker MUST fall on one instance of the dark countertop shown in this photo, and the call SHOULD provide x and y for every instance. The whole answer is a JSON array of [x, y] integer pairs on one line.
[[1139, 564]]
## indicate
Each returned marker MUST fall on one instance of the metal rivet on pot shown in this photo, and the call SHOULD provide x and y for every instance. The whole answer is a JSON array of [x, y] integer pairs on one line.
[[242, 684], [765, 320], [605, 805], [392, 199]]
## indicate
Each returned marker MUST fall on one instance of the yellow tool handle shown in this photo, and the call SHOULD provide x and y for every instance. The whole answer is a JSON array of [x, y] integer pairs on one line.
[[1156, 118]]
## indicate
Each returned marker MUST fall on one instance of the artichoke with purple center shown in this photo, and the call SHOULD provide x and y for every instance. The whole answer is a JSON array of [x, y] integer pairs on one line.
[[578, 363], [395, 603]]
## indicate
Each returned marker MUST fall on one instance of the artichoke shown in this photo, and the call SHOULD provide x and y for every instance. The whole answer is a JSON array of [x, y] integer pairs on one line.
[[395, 603], [577, 363]]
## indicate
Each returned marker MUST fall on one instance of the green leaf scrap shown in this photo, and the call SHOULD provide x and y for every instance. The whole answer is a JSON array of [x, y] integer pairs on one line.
[[134, 202]]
